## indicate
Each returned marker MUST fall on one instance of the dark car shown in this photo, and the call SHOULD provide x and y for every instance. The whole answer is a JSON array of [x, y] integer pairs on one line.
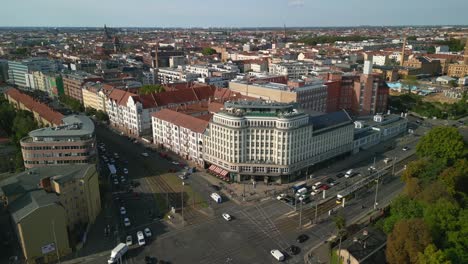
[[215, 187], [331, 181], [340, 175], [302, 238], [324, 187], [293, 250]]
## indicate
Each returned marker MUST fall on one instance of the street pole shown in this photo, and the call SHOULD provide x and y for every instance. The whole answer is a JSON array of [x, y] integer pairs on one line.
[[393, 167], [243, 195], [55, 240], [374, 163], [316, 209], [376, 191], [300, 217], [182, 202]]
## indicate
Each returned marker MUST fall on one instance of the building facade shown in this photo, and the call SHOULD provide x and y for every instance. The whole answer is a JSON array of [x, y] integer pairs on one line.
[[61, 199], [273, 141], [18, 70], [72, 83], [370, 93], [181, 133], [294, 70], [73, 142], [95, 94]]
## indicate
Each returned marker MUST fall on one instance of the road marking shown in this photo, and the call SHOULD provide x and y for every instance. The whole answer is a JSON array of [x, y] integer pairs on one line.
[[293, 214]]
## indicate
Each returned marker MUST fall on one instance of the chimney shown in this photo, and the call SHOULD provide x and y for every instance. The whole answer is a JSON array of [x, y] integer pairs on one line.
[[367, 67], [403, 51]]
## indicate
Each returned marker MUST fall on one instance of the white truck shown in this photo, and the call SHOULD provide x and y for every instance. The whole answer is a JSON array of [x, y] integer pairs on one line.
[[216, 197], [117, 253]]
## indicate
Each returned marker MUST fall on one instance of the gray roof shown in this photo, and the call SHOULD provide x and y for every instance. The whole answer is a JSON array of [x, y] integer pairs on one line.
[[330, 119], [363, 247], [29, 202], [26, 187], [74, 125]]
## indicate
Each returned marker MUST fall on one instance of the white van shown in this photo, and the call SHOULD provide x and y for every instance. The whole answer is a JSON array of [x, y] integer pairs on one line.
[[317, 185], [141, 238], [277, 254], [301, 191], [349, 173]]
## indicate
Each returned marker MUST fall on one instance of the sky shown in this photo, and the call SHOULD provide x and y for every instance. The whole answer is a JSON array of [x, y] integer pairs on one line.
[[233, 13]]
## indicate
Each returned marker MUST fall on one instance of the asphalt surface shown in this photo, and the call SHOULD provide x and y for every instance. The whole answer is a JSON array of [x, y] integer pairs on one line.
[[256, 228]]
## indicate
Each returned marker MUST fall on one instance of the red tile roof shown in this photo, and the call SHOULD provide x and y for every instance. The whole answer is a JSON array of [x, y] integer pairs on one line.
[[194, 124], [43, 110]]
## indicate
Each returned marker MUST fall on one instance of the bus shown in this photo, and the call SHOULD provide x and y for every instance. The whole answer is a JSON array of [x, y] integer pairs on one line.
[[296, 187]]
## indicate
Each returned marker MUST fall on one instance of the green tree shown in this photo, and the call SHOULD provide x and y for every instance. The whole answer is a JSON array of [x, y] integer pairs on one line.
[[72, 103], [22, 125], [409, 82], [208, 51], [150, 88], [402, 208], [432, 255], [340, 225], [408, 239], [456, 177], [441, 217], [457, 240], [444, 144], [7, 115], [102, 116]]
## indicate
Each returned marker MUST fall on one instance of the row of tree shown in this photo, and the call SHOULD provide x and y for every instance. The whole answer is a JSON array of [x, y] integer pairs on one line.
[[428, 223], [415, 103], [17, 125], [72, 103]]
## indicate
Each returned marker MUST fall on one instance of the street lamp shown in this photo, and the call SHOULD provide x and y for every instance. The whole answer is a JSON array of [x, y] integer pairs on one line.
[[376, 190], [183, 184]]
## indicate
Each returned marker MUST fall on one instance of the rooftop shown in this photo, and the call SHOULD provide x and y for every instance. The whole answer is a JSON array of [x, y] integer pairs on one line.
[[330, 119], [365, 244], [74, 125]]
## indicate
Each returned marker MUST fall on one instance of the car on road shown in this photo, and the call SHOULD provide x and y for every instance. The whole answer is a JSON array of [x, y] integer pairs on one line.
[[387, 160], [126, 222], [116, 181], [141, 238], [144, 154], [340, 175], [123, 210], [226, 216], [405, 148], [129, 240], [116, 155], [316, 185], [147, 232], [125, 170], [175, 163], [324, 187], [277, 254], [315, 192], [122, 179], [331, 181], [293, 250], [281, 196], [215, 187], [302, 238]]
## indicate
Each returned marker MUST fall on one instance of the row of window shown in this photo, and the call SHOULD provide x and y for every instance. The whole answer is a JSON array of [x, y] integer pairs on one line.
[[55, 147]]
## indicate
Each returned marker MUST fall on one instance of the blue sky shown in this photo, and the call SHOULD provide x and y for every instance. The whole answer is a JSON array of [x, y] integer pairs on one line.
[[234, 13]]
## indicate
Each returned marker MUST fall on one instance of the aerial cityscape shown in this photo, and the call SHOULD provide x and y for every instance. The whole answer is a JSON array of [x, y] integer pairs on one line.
[[216, 132]]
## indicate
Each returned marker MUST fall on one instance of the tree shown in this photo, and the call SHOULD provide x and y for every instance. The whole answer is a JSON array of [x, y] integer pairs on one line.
[[441, 217], [22, 125], [7, 115], [443, 144], [402, 208], [208, 51], [150, 88], [456, 177], [432, 255], [102, 116], [409, 82], [72, 103], [340, 224], [408, 239]]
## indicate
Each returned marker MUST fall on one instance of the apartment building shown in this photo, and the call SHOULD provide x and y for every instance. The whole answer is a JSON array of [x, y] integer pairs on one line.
[[273, 141], [62, 199], [294, 70], [72, 142], [95, 95], [460, 70], [43, 114], [72, 83], [370, 93], [131, 113], [170, 75], [18, 70], [310, 95], [181, 133]]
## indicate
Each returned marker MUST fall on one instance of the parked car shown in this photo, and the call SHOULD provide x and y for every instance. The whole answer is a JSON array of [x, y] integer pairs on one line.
[[125, 170], [123, 210], [144, 154], [324, 187], [405, 148], [340, 175], [302, 238], [141, 238], [126, 222], [226, 216], [129, 240], [331, 181], [281, 196], [293, 250], [147, 232]]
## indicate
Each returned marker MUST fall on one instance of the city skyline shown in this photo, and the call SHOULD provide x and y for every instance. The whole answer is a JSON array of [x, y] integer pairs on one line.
[[262, 13]]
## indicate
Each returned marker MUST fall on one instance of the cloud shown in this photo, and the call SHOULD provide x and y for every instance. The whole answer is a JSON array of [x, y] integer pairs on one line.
[[295, 2]]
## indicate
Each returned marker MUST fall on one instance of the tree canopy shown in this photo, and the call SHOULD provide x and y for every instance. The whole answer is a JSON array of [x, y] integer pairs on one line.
[[445, 144], [407, 240], [151, 88], [208, 51]]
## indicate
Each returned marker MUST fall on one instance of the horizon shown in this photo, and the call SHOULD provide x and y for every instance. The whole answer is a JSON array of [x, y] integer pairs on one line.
[[242, 14]]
